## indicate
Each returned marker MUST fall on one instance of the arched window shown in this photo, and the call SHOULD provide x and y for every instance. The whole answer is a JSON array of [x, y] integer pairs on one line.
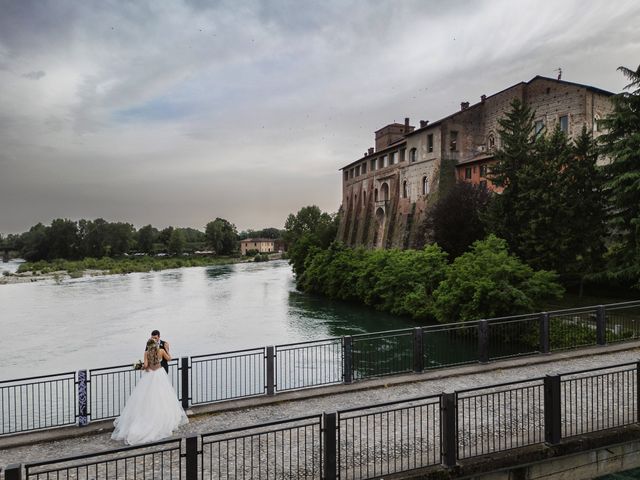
[[375, 195], [384, 190], [404, 189], [425, 185], [491, 142], [413, 155]]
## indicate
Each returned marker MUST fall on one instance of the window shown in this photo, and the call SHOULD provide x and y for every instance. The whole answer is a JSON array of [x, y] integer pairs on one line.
[[538, 127], [467, 173], [392, 158], [351, 173], [425, 185], [413, 155], [380, 162], [483, 170], [430, 142], [364, 168], [373, 164], [346, 175], [564, 123], [404, 189], [358, 171], [492, 142], [453, 142], [375, 195], [385, 161], [402, 154]]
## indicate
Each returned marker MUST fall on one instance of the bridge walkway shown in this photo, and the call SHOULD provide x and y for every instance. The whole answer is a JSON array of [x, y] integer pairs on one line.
[[70, 441]]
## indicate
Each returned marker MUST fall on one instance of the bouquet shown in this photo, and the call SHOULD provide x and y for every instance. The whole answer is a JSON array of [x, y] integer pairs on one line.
[[138, 365]]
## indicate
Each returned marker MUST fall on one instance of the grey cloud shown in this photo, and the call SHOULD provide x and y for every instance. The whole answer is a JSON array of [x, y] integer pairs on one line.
[[34, 75]]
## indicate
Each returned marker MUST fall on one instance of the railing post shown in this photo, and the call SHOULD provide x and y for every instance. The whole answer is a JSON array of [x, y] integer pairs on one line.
[[638, 392], [13, 472], [601, 326], [483, 341], [347, 364], [552, 410], [191, 457], [544, 333], [449, 440], [329, 445], [271, 370], [83, 417], [418, 350], [184, 376]]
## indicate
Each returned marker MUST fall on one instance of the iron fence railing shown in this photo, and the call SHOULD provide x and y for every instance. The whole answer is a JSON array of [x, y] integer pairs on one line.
[[109, 388], [383, 353], [56, 400], [499, 417], [35, 403], [450, 344], [308, 364], [388, 438], [153, 461], [374, 441], [279, 449], [599, 399], [227, 375]]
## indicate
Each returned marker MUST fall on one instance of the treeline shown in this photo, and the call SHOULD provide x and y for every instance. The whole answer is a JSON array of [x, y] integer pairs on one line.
[[74, 240], [558, 221]]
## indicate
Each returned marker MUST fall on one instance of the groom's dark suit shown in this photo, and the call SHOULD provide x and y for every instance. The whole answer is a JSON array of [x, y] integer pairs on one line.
[[164, 363]]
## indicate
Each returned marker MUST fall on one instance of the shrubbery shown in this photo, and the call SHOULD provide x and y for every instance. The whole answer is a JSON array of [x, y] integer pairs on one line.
[[484, 282]]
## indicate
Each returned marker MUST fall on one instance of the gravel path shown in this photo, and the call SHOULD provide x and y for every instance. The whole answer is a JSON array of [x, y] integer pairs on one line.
[[296, 408]]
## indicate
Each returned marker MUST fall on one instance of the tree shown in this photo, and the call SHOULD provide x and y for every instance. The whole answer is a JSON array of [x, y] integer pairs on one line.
[[488, 282], [621, 144], [63, 239], [516, 133], [145, 238], [34, 243], [165, 235], [455, 220], [176, 242], [221, 236], [309, 228]]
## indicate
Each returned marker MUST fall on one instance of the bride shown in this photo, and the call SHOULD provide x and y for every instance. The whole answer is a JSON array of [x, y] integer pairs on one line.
[[152, 411]]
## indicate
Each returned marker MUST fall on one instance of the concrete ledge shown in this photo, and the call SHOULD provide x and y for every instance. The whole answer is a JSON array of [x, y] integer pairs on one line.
[[60, 433]]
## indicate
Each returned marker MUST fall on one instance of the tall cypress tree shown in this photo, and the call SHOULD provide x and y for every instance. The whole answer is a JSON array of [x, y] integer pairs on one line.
[[622, 145]]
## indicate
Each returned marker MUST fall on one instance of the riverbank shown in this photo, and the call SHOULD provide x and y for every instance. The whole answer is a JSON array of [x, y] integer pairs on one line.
[[59, 270]]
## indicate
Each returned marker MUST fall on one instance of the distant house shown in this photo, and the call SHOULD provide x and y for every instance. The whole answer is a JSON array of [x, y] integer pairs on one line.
[[262, 245]]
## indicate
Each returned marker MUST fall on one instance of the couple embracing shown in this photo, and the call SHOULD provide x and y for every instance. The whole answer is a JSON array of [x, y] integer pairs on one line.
[[152, 411]]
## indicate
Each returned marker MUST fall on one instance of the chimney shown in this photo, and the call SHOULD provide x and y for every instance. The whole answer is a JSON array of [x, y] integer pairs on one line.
[[464, 105], [370, 150], [424, 123], [406, 121], [483, 98]]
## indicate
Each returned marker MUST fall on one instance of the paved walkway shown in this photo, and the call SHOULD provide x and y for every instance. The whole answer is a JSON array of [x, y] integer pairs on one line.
[[248, 412]]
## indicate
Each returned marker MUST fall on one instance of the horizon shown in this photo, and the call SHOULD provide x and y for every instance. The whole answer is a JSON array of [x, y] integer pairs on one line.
[[170, 115]]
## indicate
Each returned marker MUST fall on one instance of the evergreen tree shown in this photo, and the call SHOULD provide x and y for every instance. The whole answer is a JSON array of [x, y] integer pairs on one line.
[[517, 149], [622, 145]]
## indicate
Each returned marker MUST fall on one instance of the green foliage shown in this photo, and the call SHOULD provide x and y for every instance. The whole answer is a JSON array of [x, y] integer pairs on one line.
[[308, 229], [176, 242], [221, 236], [145, 238], [455, 220], [261, 257], [622, 145], [270, 232], [488, 282]]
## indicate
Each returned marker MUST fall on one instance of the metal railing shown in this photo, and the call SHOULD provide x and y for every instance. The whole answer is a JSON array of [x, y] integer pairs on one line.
[[280, 449], [388, 438], [35, 403], [377, 440], [101, 393], [227, 375]]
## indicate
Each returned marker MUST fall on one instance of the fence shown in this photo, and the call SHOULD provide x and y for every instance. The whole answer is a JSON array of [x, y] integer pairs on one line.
[[377, 440], [57, 400]]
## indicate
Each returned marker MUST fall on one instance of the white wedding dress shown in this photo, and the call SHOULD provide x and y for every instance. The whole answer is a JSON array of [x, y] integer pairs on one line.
[[151, 413]]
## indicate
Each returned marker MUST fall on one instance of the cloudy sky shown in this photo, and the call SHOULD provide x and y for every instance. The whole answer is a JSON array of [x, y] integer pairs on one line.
[[175, 112]]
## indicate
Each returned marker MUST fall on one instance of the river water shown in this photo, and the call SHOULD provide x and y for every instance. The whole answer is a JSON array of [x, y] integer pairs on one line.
[[52, 327]]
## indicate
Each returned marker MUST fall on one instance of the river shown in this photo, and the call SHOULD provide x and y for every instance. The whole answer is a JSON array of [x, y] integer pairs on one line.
[[52, 327]]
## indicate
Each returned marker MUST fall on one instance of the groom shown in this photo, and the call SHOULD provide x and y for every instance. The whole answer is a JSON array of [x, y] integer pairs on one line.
[[162, 345]]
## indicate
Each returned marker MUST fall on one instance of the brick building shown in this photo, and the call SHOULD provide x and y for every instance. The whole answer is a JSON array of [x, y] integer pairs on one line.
[[386, 193]]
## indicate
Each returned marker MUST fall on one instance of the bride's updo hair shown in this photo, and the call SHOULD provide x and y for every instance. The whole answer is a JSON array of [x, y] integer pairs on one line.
[[151, 344]]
